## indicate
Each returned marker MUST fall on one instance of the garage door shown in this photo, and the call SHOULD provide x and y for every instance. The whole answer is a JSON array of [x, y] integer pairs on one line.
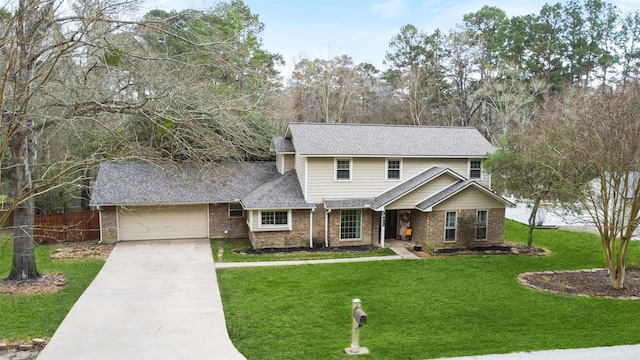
[[163, 222]]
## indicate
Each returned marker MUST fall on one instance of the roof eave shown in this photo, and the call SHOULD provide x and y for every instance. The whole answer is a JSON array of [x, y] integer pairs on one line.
[[474, 156]]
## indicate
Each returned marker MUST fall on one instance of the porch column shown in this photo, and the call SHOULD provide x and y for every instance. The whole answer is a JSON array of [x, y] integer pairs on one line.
[[383, 218], [311, 228]]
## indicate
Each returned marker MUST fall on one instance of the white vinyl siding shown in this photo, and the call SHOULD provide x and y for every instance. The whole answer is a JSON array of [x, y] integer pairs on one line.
[[163, 222], [284, 162], [289, 162], [469, 198], [300, 165], [367, 179], [418, 195]]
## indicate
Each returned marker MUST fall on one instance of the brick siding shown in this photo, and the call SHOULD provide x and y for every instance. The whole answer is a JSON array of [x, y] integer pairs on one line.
[[318, 225], [222, 226], [109, 224], [428, 228], [297, 237], [366, 229]]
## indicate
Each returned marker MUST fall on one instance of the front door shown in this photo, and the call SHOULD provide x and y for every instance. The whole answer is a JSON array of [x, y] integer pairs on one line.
[[391, 224]]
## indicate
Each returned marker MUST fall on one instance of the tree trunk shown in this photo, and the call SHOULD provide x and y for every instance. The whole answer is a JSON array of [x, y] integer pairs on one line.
[[532, 222], [24, 261], [616, 275]]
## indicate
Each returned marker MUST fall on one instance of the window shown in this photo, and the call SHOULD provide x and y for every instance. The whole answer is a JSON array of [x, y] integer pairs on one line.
[[343, 169], [475, 169], [481, 230], [393, 169], [235, 211], [350, 223], [274, 218], [450, 226]]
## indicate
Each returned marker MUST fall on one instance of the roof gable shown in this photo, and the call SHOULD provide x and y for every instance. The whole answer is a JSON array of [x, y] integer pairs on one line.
[[321, 139], [455, 189], [410, 185]]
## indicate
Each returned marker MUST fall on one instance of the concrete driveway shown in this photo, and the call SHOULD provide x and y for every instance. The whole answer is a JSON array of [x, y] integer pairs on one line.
[[151, 300]]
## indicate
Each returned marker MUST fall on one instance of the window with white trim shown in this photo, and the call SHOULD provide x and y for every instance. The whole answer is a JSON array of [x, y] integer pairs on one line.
[[475, 169], [343, 169], [274, 218], [481, 229], [393, 169], [350, 224], [235, 211], [450, 226]]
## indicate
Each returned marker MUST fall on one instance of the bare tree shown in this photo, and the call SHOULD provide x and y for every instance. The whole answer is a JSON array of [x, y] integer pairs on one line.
[[594, 138], [84, 72]]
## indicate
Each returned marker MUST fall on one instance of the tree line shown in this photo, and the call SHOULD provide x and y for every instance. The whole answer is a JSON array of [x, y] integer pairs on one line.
[[491, 72]]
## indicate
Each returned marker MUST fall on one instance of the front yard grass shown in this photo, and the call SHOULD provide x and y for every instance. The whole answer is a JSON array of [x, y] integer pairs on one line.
[[419, 309], [227, 254], [24, 317]]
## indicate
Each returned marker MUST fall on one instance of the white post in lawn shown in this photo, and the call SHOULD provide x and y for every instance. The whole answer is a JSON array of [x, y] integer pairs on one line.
[[359, 318]]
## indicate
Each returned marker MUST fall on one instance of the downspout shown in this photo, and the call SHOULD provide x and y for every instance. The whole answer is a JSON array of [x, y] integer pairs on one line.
[[100, 219], [311, 227], [326, 228]]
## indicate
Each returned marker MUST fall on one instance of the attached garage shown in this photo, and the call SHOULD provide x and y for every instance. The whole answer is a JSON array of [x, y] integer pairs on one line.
[[163, 222]]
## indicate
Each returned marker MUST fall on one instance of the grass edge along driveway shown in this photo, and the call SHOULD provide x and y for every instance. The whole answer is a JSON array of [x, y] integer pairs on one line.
[[420, 309]]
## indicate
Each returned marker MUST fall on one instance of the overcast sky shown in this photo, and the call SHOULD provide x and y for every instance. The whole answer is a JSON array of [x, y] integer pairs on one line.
[[359, 28]]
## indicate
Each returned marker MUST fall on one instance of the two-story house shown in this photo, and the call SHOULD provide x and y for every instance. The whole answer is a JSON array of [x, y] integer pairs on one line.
[[330, 185]]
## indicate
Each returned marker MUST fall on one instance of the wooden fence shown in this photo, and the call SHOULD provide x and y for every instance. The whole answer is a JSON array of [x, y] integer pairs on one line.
[[73, 226]]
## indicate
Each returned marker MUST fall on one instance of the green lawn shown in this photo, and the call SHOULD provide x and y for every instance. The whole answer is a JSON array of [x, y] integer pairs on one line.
[[418, 309], [228, 245], [28, 316]]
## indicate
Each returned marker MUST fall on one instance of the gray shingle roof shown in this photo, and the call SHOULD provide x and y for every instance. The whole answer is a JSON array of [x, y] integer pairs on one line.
[[142, 183], [399, 191], [348, 203], [282, 145], [322, 139], [279, 192]]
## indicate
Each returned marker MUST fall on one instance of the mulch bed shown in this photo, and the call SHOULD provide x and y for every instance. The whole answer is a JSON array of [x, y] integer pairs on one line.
[[594, 282], [507, 249], [47, 283], [336, 249], [83, 250]]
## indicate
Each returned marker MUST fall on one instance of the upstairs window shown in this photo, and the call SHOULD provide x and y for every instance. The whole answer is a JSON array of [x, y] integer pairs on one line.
[[475, 169], [343, 169], [235, 211], [393, 169]]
